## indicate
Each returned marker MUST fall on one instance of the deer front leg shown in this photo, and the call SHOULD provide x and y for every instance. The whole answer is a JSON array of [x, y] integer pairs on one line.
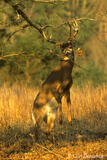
[[67, 96], [60, 113]]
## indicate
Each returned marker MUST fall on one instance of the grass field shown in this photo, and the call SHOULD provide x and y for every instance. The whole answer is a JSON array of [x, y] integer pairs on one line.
[[84, 138]]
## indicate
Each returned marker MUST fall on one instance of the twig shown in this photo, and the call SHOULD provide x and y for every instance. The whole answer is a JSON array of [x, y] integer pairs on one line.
[[56, 154], [12, 34]]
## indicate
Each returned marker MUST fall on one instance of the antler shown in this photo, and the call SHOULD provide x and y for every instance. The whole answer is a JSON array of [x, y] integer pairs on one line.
[[75, 28]]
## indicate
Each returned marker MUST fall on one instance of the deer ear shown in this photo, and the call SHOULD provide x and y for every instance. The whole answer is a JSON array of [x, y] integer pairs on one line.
[[79, 52]]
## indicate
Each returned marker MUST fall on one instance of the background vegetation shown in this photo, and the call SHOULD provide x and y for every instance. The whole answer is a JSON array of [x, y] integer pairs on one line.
[[26, 59], [34, 58]]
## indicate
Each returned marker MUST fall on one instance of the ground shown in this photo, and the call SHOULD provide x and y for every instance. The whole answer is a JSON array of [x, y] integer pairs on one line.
[[66, 142], [84, 138]]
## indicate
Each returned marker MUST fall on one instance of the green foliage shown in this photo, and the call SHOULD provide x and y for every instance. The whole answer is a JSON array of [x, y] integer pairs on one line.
[[37, 57], [89, 73], [87, 29]]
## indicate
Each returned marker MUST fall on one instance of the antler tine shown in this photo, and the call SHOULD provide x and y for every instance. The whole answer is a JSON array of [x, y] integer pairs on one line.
[[70, 29], [50, 40], [75, 29]]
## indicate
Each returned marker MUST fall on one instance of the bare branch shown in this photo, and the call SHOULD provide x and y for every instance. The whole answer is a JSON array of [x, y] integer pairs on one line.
[[57, 26], [41, 29], [12, 34], [83, 18], [20, 12], [9, 55], [50, 1]]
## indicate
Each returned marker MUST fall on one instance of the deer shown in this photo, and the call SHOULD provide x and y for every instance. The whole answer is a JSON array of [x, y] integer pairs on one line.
[[49, 99]]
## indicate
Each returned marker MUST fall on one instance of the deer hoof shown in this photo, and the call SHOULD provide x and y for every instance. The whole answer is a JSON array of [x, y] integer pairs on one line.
[[61, 122], [69, 119]]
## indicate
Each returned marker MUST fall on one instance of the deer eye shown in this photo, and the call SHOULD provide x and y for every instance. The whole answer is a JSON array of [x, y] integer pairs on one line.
[[67, 51]]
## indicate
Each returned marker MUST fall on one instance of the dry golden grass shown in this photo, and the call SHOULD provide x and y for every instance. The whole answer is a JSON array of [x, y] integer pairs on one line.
[[15, 105], [82, 137]]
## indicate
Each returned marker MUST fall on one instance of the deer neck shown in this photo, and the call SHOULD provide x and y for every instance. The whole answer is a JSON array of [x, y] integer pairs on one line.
[[67, 61], [67, 66]]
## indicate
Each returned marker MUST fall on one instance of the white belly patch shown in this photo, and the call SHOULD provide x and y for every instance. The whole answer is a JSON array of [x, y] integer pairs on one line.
[[51, 107]]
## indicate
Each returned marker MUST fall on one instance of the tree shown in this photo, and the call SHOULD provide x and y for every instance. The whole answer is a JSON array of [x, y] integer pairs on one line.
[[29, 28]]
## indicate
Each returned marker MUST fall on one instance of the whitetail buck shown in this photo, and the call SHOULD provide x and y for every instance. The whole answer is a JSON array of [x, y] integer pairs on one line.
[[54, 88]]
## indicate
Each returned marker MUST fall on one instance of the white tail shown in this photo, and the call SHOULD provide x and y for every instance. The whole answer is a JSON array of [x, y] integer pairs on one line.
[[33, 118]]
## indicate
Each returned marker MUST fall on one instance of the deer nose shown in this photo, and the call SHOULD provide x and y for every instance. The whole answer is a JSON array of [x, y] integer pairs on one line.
[[76, 30]]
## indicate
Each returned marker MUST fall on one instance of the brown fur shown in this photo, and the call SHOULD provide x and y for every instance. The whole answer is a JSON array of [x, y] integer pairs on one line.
[[56, 86]]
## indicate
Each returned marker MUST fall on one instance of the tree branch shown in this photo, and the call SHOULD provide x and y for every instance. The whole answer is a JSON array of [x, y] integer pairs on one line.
[[50, 1], [40, 29], [12, 34], [16, 7], [83, 18], [20, 12], [11, 55]]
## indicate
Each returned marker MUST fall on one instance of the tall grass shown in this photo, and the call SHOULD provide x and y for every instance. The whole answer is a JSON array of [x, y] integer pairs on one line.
[[88, 105], [16, 105]]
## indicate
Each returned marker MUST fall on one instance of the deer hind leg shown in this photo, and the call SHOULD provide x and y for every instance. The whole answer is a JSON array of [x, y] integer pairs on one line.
[[50, 122], [60, 109], [51, 109], [37, 117]]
